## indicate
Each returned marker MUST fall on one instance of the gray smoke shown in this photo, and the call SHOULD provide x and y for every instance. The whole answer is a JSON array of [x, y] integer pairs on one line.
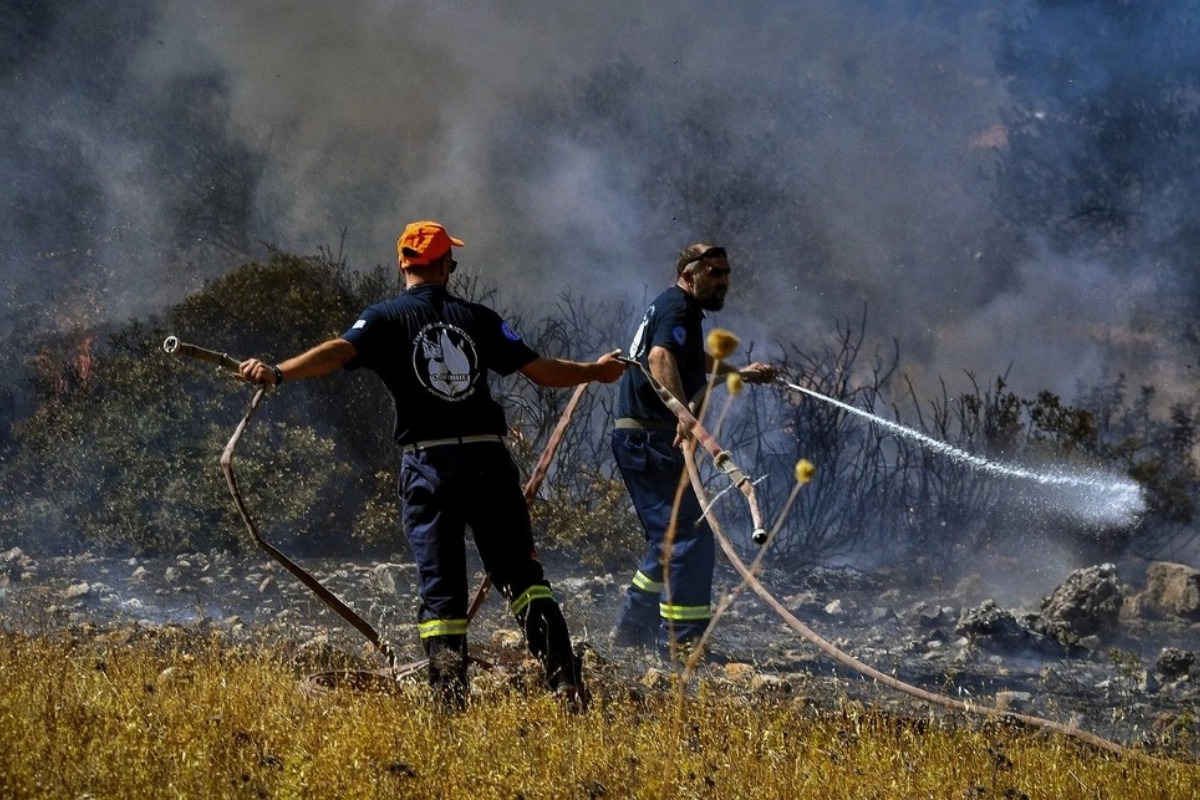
[[846, 152]]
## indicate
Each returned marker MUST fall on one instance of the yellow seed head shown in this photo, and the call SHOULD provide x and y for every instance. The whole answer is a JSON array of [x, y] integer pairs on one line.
[[733, 382], [721, 343], [805, 471]]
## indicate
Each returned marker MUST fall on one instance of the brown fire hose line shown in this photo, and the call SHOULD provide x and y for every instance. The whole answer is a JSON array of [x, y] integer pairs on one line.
[[853, 663], [330, 599], [174, 346], [722, 459]]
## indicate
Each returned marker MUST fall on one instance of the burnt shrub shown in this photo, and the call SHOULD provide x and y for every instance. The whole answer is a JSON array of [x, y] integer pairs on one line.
[[125, 456]]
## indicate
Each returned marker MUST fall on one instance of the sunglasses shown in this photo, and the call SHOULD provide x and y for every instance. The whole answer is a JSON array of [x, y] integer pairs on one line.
[[712, 252]]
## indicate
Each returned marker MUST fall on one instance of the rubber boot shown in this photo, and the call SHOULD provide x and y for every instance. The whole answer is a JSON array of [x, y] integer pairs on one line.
[[676, 640], [448, 671], [567, 683], [549, 642], [638, 621]]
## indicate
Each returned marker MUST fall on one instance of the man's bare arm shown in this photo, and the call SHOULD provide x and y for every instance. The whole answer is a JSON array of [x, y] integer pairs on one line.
[[559, 372], [665, 370], [758, 372], [320, 360]]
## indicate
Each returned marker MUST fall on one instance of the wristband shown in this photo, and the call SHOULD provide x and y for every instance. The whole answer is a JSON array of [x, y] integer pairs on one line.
[[278, 374]]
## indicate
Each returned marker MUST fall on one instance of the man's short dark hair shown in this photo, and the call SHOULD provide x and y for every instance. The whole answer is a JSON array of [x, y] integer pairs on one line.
[[697, 252]]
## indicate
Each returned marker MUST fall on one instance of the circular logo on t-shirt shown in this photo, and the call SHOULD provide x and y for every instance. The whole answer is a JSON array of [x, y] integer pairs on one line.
[[445, 361]]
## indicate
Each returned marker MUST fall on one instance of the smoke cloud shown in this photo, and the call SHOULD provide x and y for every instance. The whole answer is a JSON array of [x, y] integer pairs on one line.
[[848, 154]]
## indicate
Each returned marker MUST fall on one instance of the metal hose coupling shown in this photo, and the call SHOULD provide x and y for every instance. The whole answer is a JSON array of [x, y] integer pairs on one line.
[[175, 347]]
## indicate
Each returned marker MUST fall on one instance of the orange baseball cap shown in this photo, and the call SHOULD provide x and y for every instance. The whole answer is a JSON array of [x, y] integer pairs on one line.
[[423, 242]]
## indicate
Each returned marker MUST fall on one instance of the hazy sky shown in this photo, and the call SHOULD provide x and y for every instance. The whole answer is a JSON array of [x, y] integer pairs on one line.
[[846, 152]]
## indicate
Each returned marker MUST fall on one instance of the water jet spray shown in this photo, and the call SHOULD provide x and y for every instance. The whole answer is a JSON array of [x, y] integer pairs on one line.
[[1097, 496]]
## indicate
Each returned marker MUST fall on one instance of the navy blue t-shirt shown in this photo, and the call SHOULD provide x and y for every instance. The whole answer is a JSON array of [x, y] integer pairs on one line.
[[672, 321], [432, 350]]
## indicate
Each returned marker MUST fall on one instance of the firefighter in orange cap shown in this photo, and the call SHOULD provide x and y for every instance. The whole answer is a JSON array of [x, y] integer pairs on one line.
[[432, 350]]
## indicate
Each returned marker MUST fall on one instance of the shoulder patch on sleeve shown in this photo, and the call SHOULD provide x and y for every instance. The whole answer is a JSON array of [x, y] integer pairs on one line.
[[679, 334], [362, 323], [508, 332]]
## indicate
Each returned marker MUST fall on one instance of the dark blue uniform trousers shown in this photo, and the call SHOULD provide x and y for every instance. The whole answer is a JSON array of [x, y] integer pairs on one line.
[[671, 595], [445, 489]]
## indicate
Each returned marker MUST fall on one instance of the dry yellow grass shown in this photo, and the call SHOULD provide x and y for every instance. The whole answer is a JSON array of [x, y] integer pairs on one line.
[[163, 716]]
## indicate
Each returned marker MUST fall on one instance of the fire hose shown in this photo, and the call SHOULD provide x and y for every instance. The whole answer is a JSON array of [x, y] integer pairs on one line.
[[720, 456], [174, 346], [723, 460], [847, 660], [224, 360]]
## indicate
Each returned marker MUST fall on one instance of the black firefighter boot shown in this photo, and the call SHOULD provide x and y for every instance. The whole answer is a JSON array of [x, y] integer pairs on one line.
[[570, 686], [637, 623], [550, 643], [448, 671]]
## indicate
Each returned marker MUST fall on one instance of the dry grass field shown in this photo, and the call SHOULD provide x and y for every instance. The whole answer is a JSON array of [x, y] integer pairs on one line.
[[170, 715]]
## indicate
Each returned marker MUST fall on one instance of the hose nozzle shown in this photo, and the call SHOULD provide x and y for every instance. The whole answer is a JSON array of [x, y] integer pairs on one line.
[[175, 347]]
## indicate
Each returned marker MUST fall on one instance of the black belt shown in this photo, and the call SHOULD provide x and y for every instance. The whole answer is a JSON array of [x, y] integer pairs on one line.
[[631, 423], [428, 443]]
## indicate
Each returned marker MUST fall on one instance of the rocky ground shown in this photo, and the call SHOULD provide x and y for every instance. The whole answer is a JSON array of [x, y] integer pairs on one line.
[[1110, 649]]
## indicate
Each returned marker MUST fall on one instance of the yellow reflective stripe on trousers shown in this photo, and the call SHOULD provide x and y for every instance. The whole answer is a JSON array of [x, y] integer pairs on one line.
[[642, 581], [443, 627], [535, 592], [684, 613]]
